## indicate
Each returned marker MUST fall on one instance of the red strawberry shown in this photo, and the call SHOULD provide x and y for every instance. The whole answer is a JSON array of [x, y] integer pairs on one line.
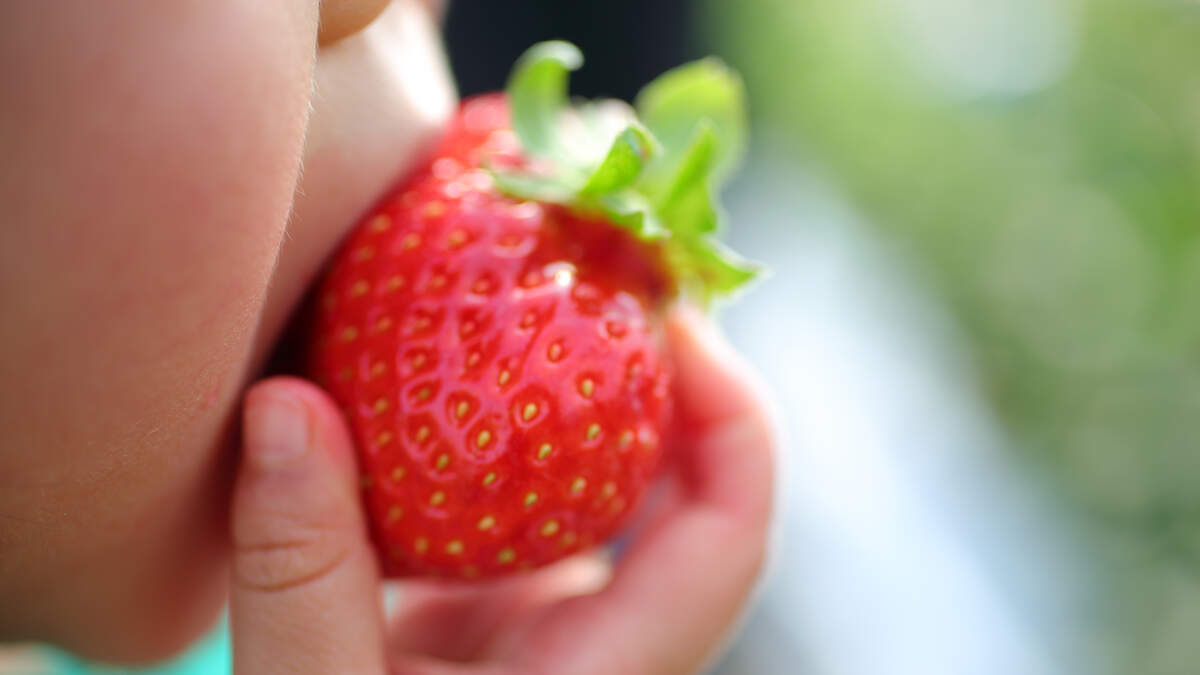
[[491, 328]]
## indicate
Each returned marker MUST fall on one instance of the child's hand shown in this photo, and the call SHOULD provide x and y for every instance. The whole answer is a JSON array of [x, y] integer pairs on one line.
[[307, 595]]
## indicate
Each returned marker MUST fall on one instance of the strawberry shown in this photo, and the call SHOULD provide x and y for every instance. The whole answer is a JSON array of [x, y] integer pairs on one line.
[[491, 328]]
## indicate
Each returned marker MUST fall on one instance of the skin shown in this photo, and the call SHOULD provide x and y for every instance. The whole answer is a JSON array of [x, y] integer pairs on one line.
[[158, 233]]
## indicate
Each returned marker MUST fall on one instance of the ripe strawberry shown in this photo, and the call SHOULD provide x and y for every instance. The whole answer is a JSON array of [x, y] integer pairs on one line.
[[491, 328]]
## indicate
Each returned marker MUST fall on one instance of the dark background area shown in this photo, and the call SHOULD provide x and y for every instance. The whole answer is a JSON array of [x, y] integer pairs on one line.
[[626, 43]]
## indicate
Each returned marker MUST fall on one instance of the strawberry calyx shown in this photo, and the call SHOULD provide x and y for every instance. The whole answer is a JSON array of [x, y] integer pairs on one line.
[[654, 168]]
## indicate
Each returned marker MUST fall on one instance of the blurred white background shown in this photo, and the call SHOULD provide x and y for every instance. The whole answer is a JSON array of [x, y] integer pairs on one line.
[[909, 541]]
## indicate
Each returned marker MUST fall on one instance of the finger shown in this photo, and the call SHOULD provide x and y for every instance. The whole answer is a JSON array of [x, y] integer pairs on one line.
[[724, 423], [305, 582], [470, 622], [687, 575]]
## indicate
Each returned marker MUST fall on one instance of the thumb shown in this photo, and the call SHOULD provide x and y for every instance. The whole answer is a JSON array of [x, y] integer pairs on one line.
[[305, 581]]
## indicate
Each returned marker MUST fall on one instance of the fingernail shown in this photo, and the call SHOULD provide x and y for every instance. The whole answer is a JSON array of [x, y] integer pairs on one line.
[[276, 433]]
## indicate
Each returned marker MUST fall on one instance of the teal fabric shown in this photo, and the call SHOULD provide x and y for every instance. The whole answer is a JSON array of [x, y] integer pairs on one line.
[[212, 656]]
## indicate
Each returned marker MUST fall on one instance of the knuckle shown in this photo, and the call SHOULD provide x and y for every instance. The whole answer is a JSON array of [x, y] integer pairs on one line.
[[279, 563]]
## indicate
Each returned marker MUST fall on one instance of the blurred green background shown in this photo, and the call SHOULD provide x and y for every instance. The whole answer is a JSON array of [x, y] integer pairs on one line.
[[1039, 162], [983, 217]]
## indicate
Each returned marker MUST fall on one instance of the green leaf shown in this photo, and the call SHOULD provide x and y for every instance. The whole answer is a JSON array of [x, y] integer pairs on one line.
[[594, 126], [537, 93], [656, 176], [708, 268], [634, 212], [630, 151], [677, 101], [551, 189], [687, 204]]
